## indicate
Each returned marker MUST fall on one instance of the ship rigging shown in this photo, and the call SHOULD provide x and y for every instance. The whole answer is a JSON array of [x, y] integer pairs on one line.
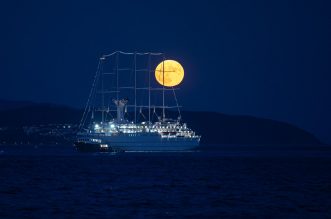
[[123, 85]]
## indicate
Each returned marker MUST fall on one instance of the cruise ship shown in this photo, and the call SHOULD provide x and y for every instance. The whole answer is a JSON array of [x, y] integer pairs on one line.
[[126, 108]]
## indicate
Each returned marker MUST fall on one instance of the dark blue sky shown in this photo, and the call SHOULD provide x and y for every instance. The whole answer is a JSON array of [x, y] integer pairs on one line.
[[263, 58]]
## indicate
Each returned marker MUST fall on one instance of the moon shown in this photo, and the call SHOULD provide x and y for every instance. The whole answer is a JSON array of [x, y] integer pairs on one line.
[[173, 73]]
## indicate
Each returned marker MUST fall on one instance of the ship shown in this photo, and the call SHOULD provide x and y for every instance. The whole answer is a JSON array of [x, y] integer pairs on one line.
[[127, 108]]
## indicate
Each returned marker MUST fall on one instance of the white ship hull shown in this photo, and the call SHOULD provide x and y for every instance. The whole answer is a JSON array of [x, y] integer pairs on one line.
[[146, 142]]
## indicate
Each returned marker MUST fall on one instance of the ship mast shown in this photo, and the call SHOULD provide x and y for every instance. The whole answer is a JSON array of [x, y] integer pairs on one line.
[[135, 87], [163, 111], [117, 54], [102, 97], [149, 88]]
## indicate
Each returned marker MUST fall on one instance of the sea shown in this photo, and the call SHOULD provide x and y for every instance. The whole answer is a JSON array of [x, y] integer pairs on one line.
[[55, 181]]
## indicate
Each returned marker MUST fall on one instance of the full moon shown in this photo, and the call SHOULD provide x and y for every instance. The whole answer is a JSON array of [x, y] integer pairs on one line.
[[173, 73]]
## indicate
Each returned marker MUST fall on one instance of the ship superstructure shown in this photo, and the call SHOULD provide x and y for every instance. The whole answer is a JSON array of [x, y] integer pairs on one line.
[[126, 109]]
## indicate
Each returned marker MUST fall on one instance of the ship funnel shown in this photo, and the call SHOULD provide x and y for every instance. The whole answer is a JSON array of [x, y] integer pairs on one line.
[[120, 104]]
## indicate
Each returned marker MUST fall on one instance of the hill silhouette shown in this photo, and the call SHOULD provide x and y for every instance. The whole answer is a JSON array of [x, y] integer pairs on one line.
[[215, 128]]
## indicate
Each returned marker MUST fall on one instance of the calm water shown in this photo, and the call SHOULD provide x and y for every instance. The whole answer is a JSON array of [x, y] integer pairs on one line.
[[56, 182]]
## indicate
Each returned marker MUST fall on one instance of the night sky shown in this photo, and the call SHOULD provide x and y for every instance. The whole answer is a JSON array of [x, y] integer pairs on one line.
[[268, 59]]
